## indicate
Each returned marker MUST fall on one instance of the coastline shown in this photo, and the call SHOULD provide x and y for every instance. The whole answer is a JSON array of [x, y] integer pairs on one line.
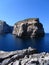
[[24, 57]]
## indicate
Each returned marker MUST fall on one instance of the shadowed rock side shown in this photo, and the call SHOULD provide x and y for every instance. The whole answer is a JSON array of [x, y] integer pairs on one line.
[[29, 28], [5, 28]]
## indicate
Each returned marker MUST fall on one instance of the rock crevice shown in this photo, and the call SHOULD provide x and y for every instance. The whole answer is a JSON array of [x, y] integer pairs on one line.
[[24, 57]]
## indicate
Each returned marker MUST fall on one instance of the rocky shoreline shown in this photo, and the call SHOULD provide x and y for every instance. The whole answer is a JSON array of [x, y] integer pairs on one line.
[[24, 57]]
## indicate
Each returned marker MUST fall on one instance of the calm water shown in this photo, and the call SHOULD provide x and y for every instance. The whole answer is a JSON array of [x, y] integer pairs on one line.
[[9, 42]]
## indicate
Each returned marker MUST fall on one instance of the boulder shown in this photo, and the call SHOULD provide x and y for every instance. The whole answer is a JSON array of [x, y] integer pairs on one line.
[[5, 28], [28, 28]]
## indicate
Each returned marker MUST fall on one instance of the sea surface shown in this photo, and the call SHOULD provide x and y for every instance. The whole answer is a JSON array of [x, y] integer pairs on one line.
[[9, 42]]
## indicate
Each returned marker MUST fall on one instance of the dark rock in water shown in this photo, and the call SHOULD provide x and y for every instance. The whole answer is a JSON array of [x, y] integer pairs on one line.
[[28, 28], [5, 28]]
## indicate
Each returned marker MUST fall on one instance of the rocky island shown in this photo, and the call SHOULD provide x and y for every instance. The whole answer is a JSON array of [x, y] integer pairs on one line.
[[28, 28], [24, 29], [5, 28]]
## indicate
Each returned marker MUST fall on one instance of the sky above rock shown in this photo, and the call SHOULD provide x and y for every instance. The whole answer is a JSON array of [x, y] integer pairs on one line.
[[12, 11]]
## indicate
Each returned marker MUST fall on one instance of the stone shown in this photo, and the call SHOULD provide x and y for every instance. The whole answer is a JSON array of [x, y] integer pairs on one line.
[[28, 28], [16, 62], [5, 28], [20, 57], [4, 62]]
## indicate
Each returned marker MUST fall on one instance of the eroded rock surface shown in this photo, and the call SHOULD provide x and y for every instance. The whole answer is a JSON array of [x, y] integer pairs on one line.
[[24, 57], [13, 57], [29, 28]]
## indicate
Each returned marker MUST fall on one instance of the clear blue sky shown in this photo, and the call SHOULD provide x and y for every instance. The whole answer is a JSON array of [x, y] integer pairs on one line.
[[14, 10]]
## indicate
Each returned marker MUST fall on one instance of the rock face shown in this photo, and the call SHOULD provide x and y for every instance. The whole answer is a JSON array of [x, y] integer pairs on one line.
[[24, 57], [5, 28], [13, 57], [29, 28]]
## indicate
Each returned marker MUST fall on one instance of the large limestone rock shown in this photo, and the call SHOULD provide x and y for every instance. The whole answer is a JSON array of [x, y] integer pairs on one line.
[[29, 28], [5, 28]]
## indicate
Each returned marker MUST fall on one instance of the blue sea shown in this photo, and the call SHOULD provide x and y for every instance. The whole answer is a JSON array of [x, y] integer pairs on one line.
[[9, 42]]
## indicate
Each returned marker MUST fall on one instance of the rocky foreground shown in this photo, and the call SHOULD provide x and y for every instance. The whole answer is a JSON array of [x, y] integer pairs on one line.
[[24, 57]]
